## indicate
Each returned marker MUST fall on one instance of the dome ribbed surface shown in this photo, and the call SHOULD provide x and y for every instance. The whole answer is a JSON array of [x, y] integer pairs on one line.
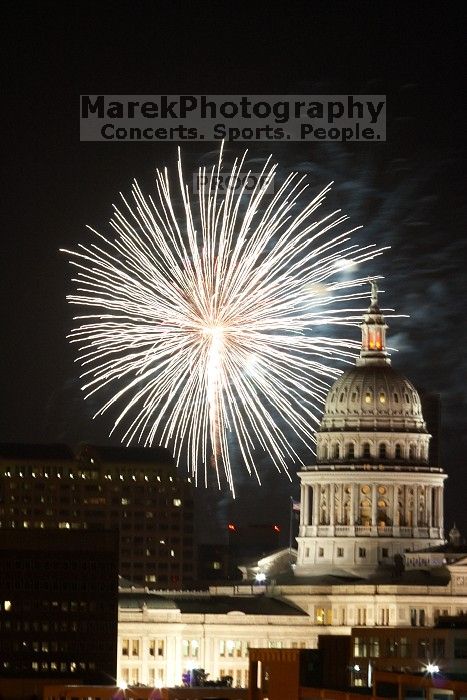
[[375, 395]]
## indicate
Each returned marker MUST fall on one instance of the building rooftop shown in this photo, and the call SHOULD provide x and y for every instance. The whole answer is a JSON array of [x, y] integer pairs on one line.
[[259, 604], [124, 455], [11, 450]]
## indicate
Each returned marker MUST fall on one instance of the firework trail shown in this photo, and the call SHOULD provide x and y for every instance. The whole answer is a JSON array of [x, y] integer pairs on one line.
[[206, 327]]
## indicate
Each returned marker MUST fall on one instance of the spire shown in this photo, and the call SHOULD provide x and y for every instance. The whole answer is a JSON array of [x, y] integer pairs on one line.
[[373, 333]]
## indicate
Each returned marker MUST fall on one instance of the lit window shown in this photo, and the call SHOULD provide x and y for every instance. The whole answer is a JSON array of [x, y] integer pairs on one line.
[[177, 502], [156, 647], [216, 565], [7, 605], [368, 397], [382, 397]]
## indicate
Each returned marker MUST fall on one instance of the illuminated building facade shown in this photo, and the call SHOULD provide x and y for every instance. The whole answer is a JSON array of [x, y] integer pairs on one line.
[[162, 635]]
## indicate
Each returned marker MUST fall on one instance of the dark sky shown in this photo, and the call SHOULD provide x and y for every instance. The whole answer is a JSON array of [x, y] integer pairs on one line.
[[406, 192]]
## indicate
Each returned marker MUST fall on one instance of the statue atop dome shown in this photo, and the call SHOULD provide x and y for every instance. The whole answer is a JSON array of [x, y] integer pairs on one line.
[[374, 296]]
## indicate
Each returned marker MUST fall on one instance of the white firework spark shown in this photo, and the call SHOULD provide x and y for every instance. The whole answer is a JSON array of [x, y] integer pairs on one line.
[[207, 328]]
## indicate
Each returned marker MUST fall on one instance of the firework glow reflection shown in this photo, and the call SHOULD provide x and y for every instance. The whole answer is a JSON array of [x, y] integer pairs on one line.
[[209, 326]]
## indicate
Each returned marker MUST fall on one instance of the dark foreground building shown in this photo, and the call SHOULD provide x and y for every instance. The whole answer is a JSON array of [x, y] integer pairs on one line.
[[135, 491], [58, 609]]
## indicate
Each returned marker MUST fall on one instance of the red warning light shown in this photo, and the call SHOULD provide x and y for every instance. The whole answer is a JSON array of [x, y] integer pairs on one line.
[[231, 527], [276, 528]]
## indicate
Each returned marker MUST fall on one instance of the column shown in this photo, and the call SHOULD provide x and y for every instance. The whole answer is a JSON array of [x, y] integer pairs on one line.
[[395, 505], [332, 504], [416, 509], [306, 507], [441, 511], [302, 504], [315, 520], [428, 498], [435, 502], [374, 511], [355, 497], [406, 504]]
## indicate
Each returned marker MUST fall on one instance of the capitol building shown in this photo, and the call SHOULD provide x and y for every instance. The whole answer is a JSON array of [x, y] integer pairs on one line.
[[371, 548], [371, 495]]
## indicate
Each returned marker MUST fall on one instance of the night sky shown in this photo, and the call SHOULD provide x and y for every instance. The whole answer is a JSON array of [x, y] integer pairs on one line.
[[406, 191]]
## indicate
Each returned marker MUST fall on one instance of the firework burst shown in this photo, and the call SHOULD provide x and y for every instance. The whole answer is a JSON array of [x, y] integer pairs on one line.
[[208, 327]]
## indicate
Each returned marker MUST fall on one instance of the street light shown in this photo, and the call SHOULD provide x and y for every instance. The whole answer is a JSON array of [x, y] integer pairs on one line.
[[432, 668], [260, 577]]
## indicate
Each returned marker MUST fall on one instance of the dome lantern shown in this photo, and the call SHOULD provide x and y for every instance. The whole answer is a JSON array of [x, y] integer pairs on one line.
[[373, 334]]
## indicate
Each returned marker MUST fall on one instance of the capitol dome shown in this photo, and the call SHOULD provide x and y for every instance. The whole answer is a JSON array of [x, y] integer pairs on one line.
[[375, 396], [372, 493], [373, 413]]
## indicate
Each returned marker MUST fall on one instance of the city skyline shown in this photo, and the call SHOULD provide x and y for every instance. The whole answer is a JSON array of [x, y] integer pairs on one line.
[[404, 192]]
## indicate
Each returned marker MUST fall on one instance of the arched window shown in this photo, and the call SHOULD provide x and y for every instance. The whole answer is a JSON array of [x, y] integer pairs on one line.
[[337, 451], [382, 450], [366, 449], [325, 452], [396, 398], [368, 397], [382, 397], [398, 452], [351, 450], [412, 453]]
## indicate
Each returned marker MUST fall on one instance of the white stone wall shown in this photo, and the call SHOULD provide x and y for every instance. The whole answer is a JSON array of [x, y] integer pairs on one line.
[[217, 643], [355, 520], [221, 641]]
